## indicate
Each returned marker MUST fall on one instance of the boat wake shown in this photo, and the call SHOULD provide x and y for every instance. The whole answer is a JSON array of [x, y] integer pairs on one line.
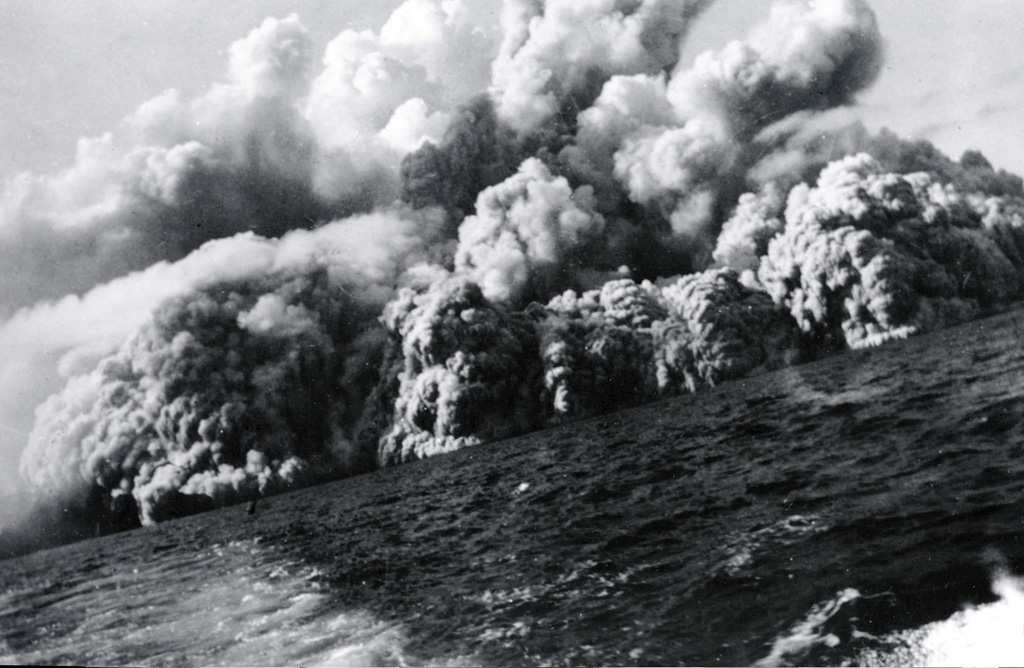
[[258, 611], [988, 634]]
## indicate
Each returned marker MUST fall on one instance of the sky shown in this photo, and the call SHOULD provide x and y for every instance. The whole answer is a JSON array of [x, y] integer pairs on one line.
[[954, 72]]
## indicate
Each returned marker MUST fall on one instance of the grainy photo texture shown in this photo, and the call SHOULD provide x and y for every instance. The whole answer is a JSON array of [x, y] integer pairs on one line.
[[512, 332]]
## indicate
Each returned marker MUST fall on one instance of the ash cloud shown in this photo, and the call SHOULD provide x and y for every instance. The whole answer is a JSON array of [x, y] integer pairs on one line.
[[177, 173], [468, 369], [529, 234], [803, 58], [275, 147], [865, 256], [555, 55], [248, 381], [308, 273], [689, 171], [222, 394]]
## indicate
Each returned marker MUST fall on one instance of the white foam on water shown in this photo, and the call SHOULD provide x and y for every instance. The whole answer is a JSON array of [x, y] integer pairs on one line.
[[807, 634], [274, 628], [740, 549], [983, 635], [991, 634], [230, 606]]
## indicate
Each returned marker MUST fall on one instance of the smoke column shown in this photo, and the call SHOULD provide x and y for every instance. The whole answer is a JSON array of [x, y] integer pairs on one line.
[[306, 273]]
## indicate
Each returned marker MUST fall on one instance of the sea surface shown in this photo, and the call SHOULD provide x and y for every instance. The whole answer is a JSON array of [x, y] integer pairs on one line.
[[865, 509]]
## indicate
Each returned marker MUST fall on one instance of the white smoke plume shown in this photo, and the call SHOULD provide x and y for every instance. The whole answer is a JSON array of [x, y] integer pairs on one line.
[[381, 96], [556, 54], [450, 233], [626, 105], [678, 172], [528, 235], [273, 148], [175, 174], [803, 59], [745, 236]]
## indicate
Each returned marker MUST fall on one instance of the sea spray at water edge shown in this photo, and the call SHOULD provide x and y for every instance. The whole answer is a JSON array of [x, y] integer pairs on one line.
[[318, 271]]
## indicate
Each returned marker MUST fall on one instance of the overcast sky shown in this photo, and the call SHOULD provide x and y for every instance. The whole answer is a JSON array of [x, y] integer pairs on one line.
[[954, 72]]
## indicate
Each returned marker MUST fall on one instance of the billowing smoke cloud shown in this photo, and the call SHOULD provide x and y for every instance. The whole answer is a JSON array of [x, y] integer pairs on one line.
[[629, 343], [476, 151], [626, 105], [866, 256], [176, 174], [222, 394], [447, 236], [555, 55], [529, 234], [248, 383], [467, 369], [381, 96], [745, 236], [271, 149], [465, 374], [803, 58], [797, 149], [690, 171], [253, 154]]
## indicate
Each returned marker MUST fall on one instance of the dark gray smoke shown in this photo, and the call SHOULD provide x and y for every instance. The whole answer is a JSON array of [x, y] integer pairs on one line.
[[598, 225]]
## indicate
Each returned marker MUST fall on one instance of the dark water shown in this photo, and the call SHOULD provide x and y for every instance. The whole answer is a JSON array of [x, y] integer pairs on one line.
[[864, 509]]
